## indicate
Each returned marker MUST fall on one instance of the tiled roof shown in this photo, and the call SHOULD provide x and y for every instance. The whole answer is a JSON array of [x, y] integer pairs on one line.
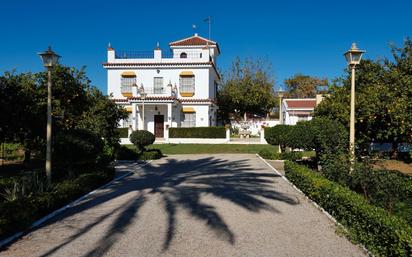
[[193, 41], [301, 103], [196, 100]]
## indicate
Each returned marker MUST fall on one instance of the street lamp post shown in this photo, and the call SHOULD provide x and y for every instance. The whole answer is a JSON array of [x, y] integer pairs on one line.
[[143, 97], [353, 57], [280, 95], [49, 59]]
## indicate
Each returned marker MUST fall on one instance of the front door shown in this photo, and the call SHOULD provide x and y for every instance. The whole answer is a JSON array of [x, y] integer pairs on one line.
[[159, 125]]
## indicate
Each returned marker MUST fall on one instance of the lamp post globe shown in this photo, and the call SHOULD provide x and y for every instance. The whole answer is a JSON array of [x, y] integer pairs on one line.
[[49, 59], [353, 56]]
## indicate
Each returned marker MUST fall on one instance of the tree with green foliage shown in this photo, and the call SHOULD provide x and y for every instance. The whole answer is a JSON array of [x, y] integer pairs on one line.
[[247, 89], [383, 101], [75, 105], [304, 86], [20, 120]]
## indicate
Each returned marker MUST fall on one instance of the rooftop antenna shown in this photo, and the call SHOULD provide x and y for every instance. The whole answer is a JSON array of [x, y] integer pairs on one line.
[[209, 21], [194, 27]]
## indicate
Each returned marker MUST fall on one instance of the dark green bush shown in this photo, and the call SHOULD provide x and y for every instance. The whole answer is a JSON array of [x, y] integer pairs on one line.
[[126, 153], [278, 135], [152, 154], [383, 188], [336, 167], [331, 137], [198, 132], [78, 146], [123, 132], [383, 234], [141, 139], [301, 136], [291, 156]]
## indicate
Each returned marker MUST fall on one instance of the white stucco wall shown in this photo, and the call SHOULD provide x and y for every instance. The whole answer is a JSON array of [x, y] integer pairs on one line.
[[146, 77]]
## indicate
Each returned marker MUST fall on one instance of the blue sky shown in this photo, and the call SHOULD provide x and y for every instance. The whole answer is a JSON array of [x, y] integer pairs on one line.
[[295, 36]]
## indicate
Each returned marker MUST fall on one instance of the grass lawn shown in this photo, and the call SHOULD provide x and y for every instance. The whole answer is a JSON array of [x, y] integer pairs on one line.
[[209, 148]]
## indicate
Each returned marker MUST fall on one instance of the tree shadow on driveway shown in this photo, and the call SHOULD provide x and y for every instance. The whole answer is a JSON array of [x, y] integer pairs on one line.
[[180, 184]]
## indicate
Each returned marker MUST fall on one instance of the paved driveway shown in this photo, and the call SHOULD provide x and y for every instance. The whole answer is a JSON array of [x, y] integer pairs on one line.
[[191, 205]]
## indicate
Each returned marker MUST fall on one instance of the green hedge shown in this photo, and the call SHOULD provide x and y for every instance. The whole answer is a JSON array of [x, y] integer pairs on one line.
[[19, 214], [123, 132], [131, 154], [382, 233], [198, 132]]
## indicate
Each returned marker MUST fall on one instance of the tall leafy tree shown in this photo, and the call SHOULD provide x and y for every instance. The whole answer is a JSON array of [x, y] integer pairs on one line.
[[247, 89], [75, 105], [383, 100], [304, 86]]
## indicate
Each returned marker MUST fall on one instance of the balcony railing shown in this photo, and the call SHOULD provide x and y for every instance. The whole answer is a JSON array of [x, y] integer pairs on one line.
[[134, 54], [156, 90], [150, 55]]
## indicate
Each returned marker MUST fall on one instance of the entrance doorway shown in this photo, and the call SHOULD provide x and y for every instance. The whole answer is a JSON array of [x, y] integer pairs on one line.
[[159, 125]]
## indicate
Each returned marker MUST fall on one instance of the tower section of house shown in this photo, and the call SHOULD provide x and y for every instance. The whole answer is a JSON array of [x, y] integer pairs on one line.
[[163, 89]]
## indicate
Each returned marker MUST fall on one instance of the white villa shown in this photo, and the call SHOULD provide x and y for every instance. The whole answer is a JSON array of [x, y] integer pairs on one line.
[[299, 109], [162, 89]]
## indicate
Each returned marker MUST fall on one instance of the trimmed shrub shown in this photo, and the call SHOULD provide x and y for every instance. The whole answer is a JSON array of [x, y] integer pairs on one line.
[[126, 153], [123, 132], [151, 154], [382, 233], [141, 139], [278, 135], [198, 132], [301, 136]]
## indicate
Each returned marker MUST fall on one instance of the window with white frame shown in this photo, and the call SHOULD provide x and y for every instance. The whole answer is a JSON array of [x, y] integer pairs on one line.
[[187, 84], [303, 118], [158, 85], [127, 83], [188, 119]]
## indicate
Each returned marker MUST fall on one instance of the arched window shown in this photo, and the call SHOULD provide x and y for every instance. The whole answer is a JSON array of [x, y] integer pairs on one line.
[[183, 55]]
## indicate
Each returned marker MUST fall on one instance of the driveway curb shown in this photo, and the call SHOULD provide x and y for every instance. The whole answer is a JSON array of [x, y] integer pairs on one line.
[[40, 221]]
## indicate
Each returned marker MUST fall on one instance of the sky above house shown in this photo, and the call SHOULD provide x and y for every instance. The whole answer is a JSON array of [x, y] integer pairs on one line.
[[306, 37]]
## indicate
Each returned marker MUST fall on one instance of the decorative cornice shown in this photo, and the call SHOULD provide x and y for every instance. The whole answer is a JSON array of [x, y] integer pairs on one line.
[[117, 64]]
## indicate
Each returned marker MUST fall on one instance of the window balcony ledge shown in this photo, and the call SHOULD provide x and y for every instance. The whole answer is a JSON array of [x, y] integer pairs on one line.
[[187, 94]]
